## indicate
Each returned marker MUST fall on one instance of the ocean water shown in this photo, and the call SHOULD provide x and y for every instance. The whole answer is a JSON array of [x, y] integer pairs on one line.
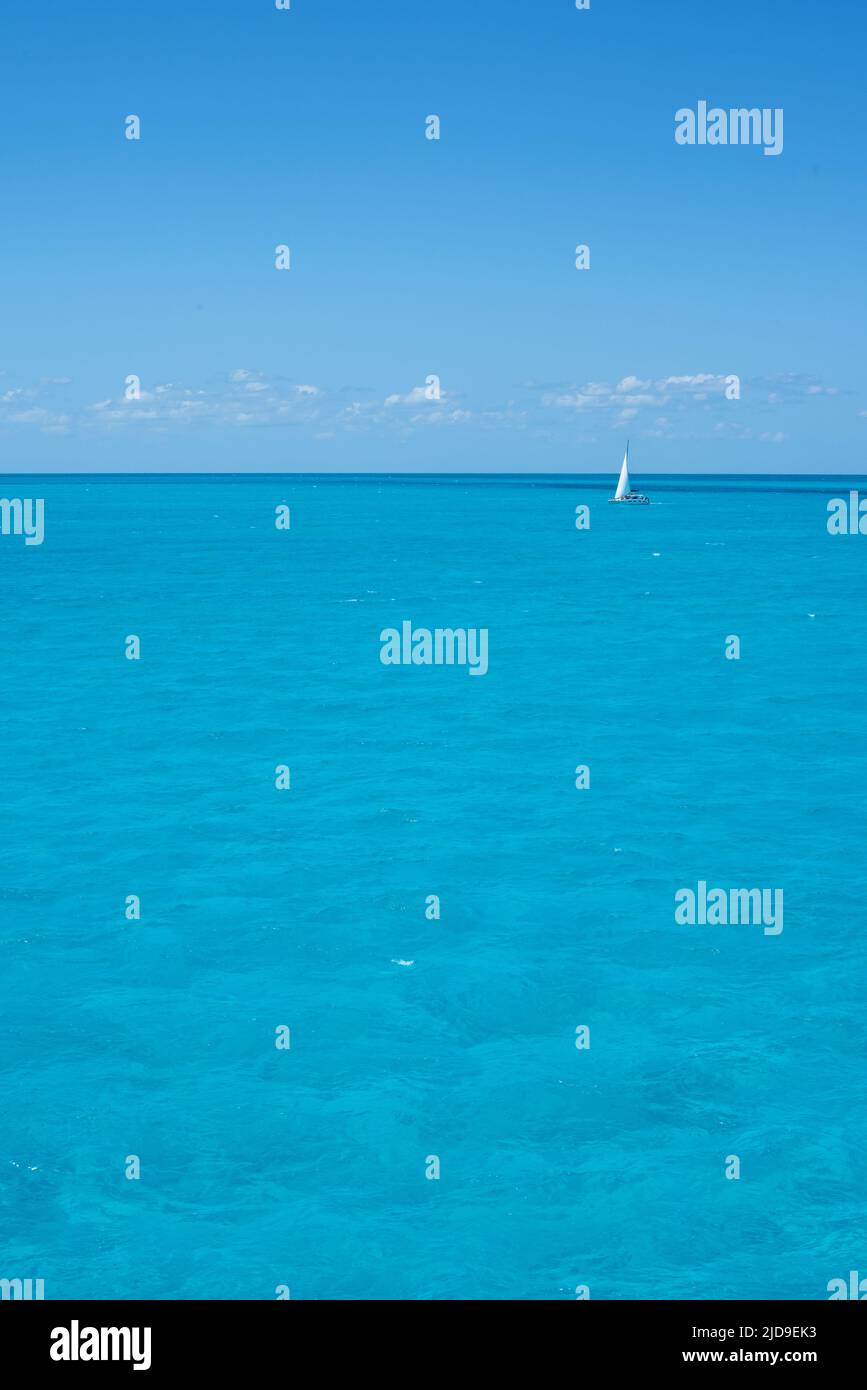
[[560, 1166]]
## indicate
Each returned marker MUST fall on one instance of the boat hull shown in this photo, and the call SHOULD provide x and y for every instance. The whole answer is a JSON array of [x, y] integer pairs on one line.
[[641, 500]]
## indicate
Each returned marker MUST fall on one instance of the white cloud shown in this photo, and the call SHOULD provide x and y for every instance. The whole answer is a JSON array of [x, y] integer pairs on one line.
[[417, 396], [702, 379]]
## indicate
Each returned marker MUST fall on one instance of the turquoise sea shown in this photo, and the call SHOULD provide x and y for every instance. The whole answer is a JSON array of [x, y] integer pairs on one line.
[[560, 1166]]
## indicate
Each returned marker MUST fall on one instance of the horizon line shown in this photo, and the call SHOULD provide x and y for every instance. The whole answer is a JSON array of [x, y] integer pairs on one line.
[[407, 474]]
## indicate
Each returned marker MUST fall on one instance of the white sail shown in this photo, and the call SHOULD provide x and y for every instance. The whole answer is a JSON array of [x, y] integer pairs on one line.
[[623, 483]]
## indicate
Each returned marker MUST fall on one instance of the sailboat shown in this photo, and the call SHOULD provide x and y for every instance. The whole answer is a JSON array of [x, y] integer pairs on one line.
[[624, 492]]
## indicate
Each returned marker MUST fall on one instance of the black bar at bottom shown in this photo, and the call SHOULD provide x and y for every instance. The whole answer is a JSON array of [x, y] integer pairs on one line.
[[161, 1338]]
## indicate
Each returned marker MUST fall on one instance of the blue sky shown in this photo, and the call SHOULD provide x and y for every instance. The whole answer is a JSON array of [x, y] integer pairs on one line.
[[412, 257]]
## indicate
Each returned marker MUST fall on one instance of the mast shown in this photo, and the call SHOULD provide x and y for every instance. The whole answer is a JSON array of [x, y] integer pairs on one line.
[[623, 480]]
